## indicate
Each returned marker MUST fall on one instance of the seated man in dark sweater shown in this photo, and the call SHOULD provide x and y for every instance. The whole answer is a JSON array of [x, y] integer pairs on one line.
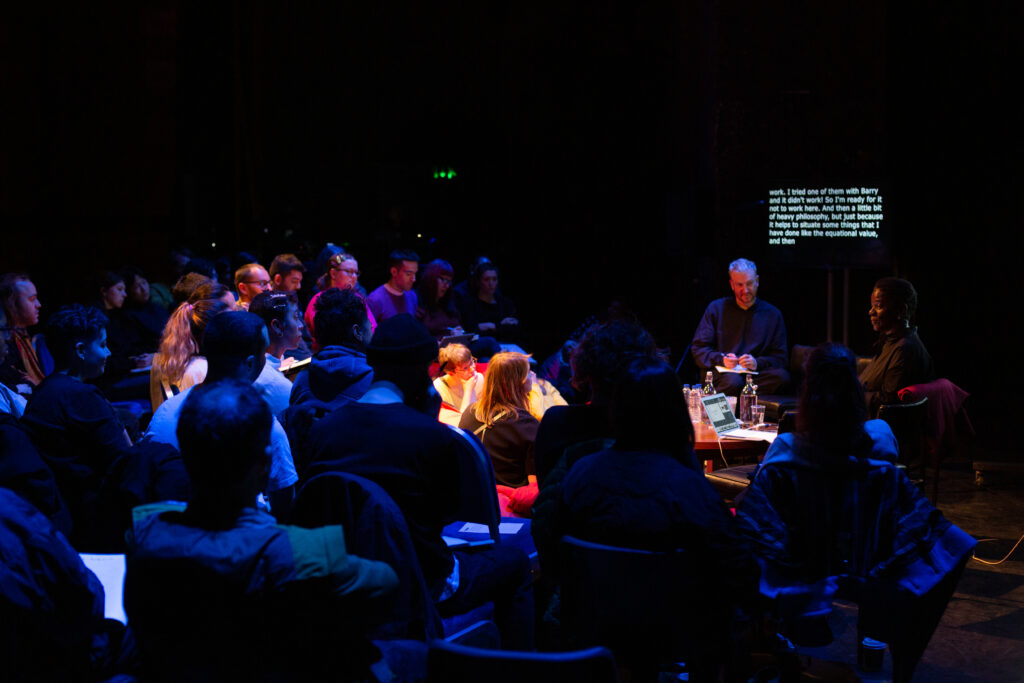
[[71, 421], [742, 333], [392, 437]]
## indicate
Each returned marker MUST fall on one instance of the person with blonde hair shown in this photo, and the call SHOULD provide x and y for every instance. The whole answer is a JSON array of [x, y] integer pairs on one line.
[[459, 384], [501, 418], [179, 363]]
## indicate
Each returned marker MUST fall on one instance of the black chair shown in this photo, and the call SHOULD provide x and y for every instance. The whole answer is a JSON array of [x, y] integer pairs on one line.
[[908, 422], [648, 607], [453, 663]]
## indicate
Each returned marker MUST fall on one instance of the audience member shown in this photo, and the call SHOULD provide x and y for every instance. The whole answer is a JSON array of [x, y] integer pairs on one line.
[[648, 492], [822, 513], [284, 325], [179, 364], [487, 311], [338, 373], [29, 361], [11, 402], [396, 296], [342, 273], [51, 606], [742, 332], [436, 309], [147, 316], [224, 431], [392, 437], [286, 271], [459, 384], [501, 419], [900, 359], [235, 344], [250, 280], [187, 284], [77, 431]]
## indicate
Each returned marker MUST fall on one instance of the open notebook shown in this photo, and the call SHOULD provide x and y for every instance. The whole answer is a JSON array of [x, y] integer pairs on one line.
[[725, 424]]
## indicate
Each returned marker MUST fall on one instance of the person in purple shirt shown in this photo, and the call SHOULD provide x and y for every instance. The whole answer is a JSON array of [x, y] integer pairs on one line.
[[396, 295], [742, 332]]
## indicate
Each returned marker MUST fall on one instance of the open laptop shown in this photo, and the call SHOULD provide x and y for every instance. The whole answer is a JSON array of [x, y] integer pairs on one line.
[[725, 423]]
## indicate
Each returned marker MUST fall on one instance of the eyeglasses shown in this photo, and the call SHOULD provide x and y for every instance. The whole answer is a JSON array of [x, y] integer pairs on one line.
[[446, 280], [349, 272], [260, 283]]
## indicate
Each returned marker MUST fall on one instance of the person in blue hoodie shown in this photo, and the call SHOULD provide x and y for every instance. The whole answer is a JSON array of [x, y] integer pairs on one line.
[[338, 373]]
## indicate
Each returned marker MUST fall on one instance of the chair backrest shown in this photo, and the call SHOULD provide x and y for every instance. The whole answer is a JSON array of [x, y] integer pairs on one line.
[[644, 605], [909, 424], [478, 499], [452, 663], [375, 529]]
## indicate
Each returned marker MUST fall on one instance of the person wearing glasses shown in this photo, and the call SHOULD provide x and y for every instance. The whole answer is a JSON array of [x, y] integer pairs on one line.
[[342, 273], [250, 280]]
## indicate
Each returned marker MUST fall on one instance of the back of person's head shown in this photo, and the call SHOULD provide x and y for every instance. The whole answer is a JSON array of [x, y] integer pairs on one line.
[[338, 313], [648, 411], [234, 344], [428, 277], [900, 293], [604, 349], [401, 352], [271, 306], [284, 264], [452, 355], [396, 257], [69, 326], [832, 409], [9, 291], [505, 390], [182, 334], [208, 290], [186, 286], [202, 266], [223, 433]]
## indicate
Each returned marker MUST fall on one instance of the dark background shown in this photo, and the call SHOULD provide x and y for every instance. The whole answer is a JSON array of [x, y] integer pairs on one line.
[[600, 148]]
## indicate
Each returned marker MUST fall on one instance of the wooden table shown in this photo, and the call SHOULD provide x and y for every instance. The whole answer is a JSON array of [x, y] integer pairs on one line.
[[736, 451]]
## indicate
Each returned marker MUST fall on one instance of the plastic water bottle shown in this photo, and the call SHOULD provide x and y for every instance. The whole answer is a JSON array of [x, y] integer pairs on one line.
[[747, 400]]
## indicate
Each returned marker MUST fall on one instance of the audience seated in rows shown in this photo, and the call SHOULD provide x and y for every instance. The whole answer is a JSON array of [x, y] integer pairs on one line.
[[222, 538], [235, 343], [71, 422], [391, 436], [396, 296], [900, 359], [436, 304], [28, 361], [826, 518], [280, 314], [501, 419], [180, 364]]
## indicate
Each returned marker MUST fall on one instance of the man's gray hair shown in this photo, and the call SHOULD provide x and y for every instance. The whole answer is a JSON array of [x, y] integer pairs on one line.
[[742, 264]]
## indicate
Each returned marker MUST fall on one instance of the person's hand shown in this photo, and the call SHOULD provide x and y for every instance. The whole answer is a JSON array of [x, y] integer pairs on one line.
[[456, 331], [487, 327], [510, 321], [729, 360], [143, 361], [748, 361]]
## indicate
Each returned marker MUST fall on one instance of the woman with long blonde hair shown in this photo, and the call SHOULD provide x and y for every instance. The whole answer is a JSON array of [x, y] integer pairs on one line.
[[501, 418], [179, 364]]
